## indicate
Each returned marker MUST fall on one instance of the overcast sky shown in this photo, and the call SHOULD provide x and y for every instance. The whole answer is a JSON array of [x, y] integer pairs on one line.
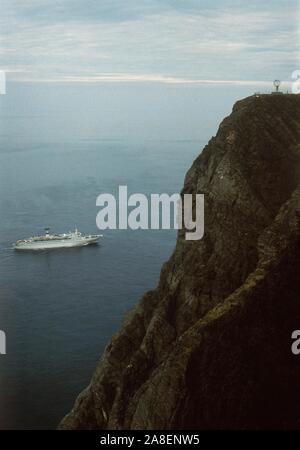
[[149, 40]]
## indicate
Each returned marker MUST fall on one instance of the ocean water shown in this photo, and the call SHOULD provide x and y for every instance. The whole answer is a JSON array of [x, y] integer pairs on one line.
[[60, 147]]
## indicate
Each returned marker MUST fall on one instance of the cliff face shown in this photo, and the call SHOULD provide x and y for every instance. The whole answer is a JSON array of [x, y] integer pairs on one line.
[[210, 346]]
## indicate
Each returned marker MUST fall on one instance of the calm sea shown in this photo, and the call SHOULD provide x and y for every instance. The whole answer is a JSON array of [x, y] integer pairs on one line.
[[60, 147]]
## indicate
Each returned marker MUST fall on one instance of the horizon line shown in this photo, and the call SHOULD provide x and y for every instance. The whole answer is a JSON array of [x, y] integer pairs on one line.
[[134, 78]]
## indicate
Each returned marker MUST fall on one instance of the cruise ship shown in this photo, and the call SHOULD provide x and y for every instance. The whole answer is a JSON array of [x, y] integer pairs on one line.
[[51, 241]]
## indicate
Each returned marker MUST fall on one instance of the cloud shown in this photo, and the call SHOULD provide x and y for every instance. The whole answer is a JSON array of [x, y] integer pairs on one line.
[[107, 40], [149, 78]]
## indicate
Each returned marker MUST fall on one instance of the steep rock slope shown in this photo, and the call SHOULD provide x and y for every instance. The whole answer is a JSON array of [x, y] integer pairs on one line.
[[210, 346]]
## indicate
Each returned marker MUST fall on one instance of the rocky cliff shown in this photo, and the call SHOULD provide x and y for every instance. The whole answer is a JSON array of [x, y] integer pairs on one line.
[[210, 346]]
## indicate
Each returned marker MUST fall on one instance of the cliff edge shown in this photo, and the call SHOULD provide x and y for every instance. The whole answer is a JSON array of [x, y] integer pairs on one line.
[[210, 346]]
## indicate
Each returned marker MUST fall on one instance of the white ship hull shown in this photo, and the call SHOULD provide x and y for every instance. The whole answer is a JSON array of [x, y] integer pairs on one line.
[[54, 242]]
